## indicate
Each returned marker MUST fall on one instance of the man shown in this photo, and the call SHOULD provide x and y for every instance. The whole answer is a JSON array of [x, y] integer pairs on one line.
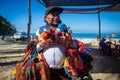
[[104, 46], [53, 51]]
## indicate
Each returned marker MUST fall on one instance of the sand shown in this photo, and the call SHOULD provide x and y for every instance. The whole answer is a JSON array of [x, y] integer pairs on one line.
[[10, 54], [104, 67]]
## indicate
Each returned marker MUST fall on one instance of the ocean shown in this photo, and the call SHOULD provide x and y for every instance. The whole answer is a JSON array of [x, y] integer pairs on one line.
[[92, 35], [95, 35]]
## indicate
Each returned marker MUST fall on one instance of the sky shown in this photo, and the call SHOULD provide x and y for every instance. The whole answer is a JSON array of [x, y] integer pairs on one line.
[[16, 12]]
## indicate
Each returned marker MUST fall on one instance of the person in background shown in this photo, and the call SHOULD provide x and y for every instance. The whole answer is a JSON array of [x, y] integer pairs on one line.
[[104, 45], [48, 36], [113, 35], [107, 36]]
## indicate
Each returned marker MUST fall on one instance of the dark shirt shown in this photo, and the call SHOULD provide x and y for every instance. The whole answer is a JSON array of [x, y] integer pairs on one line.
[[104, 46]]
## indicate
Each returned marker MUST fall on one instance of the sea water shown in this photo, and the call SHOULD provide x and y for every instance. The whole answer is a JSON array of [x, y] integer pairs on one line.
[[92, 35], [95, 35]]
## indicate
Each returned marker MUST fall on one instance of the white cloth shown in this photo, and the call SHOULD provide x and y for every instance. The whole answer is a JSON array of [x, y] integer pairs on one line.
[[54, 54]]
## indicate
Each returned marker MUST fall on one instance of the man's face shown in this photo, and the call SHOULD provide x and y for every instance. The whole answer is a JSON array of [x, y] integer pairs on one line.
[[52, 18]]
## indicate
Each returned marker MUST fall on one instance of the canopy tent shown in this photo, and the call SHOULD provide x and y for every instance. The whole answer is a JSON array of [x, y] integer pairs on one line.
[[100, 5]]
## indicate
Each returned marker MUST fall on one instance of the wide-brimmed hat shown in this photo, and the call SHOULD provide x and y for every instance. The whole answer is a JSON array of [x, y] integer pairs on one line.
[[54, 9]]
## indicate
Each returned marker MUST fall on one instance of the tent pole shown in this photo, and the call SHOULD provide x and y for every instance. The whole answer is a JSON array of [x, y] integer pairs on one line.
[[99, 34], [29, 20]]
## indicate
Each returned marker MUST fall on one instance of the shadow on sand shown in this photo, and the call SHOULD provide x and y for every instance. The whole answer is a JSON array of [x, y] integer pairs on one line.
[[105, 64]]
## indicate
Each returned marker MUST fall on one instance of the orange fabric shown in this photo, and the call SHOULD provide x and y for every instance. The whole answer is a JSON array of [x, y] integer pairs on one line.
[[21, 65], [45, 71], [40, 67]]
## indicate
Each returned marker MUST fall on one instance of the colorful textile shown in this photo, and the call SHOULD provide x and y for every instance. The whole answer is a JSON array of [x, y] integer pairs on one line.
[[33, 66], [77, 60]]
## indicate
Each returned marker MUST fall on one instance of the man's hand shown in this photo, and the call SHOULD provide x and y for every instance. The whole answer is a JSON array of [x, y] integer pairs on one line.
[[65, 38], [46, 42]]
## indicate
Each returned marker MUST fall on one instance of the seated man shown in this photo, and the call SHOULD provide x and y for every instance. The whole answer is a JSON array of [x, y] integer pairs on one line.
[[104, 46]]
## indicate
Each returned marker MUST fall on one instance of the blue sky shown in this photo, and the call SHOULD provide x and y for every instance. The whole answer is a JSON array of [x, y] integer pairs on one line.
[[16, 12]]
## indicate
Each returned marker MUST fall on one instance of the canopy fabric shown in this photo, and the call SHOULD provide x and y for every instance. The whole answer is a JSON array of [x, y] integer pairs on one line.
[[109, 5], [79, 2], [92, 10]]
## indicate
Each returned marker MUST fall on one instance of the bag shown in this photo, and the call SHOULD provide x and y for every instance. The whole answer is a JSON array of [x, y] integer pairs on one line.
[[33, 66]]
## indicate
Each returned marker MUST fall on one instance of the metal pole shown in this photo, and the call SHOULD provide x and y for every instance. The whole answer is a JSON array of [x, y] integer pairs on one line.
[[29, 20]]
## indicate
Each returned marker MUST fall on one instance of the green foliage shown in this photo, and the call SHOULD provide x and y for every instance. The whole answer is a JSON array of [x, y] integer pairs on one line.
[[5, 27]]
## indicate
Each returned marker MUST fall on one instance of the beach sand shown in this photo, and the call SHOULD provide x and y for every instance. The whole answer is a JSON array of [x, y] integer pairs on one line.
[[104, 67]]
